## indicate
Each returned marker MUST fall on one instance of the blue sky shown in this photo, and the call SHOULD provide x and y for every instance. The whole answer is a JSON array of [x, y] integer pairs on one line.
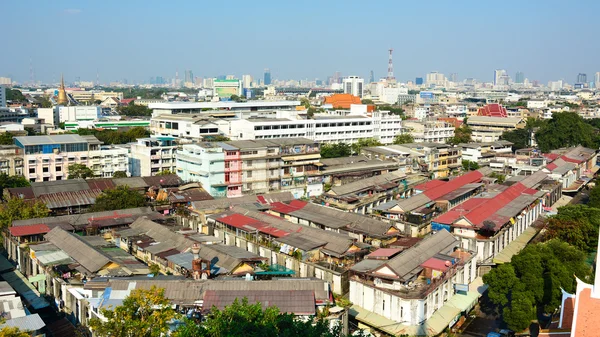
[[135, 40]]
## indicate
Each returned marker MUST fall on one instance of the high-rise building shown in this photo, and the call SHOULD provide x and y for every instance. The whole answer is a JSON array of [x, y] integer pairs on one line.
[[189, 77], [354, 85], [597, 80], [2, 96], [5, 81], [208, 83], [435, 78], [499, 75], [419, 81], [246, 81], [371, 77], [267, 77], [519, 77], [453, 77], [581, 78]]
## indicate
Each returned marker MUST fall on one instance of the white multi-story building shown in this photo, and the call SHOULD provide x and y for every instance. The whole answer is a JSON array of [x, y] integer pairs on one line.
[[391, 95], [354, 85], [49, 115], [246, 81], [229, 106], [79, 113], [421, 112], [435, 78], [47, 158], [5, 81], [150, 156], [107, 160], [429, 132], [537, 104], [323, 128], [456, 111], [189, 126], [204, 163]]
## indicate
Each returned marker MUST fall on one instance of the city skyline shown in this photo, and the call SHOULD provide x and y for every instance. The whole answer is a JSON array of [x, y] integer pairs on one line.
[[138, 43]]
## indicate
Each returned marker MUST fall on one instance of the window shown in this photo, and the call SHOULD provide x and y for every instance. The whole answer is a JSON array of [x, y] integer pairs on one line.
[[46, 178], [58, 168], [32, 170], [59, 178], [249, 162], [249, 174], [249, 186], [45, 169], [383, 305]]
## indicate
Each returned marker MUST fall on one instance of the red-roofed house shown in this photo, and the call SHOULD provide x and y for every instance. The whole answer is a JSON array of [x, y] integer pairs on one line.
[[126, 101], [492, 110]]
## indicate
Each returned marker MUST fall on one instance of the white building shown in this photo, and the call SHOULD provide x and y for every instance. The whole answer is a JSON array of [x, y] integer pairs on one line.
[[456, 111], [150, 156], [2, 96], [79, 113], [230, 106], [418, 292], [429, 132], [421, 112], [354, 85], [204, 163], [107, 160], [489, 129], [49, 115], [246, 81], [189, 126], [391, 95], [435, 78], [537, 104]]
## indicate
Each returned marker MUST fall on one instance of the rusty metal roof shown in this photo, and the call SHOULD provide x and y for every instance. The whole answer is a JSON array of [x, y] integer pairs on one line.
[[70, 199]]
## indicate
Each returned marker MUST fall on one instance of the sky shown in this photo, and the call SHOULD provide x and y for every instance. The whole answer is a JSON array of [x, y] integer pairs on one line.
[[136, 40]]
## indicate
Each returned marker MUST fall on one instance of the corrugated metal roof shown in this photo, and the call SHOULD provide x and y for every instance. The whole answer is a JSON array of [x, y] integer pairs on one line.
[[70, 199], [29, 230], [88, 257], [132, 182], [223, 203], [298, 302], [49, 187], [363, 184], [24, 288], [100, 184], [26, 323], [166, 180], [54, 139], [79, 220]]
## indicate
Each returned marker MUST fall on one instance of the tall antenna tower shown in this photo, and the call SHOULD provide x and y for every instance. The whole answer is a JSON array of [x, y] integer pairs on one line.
[[390, 75], [31, 77]]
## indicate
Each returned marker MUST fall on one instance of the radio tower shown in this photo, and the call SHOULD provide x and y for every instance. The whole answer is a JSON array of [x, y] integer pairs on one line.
[[390, 75]]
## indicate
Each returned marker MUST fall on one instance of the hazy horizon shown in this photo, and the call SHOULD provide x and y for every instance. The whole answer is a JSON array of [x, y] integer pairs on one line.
[[547, 40]]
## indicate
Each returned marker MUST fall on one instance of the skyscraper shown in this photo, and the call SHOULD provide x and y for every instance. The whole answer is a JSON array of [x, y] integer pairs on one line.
[[597, 80], [581, 78], [453, 77], [267, 77], [247, 81], [519, 77], [498, 76], [371, 77], [189, 77], [354, 85], [419, 80]]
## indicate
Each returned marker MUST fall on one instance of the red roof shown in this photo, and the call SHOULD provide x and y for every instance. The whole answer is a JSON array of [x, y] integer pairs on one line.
[[250, 225], [587, 317], [551, 156], [126, 101], [284, 208], [551, 166], [452, 185], [492, 110], [435, 264], [29, 230], [384, 252], [429, 185], [572, 160]]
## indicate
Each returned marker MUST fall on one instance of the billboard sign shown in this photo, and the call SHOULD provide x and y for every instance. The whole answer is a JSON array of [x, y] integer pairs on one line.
[[426, 94]]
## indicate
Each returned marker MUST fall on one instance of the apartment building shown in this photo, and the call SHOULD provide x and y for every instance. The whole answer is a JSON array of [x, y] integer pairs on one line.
[[150, 156], [204, 163], [189, 126], [420, 291], [429, 131], [456, 111], [440, 160], [47, 158], [489, 129], [109, 159], [11, 160]]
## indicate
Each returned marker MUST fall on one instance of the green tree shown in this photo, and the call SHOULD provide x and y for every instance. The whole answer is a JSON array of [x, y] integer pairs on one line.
[[217, 138], [576, 225], [404, 138], [468, 165], [394, 109], [519, 138], [154, 269], [134, 110], [79, 171], [7, 181], [45, 103], [462, 134], [15, 95], [120, 197], [144, 313], [305, 102], [501, 178], [244, 319], [6, 138], [13, 332], [565, 129], [164, 173], [367, 101], [310, 113], [120, 174], [18, 209], [364, 142], [335, 150], [594, 200]]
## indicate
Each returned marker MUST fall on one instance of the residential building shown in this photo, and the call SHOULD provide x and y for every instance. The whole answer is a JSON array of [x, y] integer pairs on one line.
[[581, 78], [440, 160], [147, 101], [456, 111], [482, 153], [109, 159], [47, 158], [395, 94], [11, 160], [354, 85], [188, 126], [6, 81], [489, 222], [246, 81], [227, 88], [489, 129], [537, 103], [421, 112], [420, 291], [204, 163], [230, 106], [435, 79], [79, 113], [429, 131], [150, 156], [13, 115], [50, 116]]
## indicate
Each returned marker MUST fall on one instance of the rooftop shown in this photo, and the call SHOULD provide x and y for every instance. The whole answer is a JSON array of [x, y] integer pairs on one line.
[[56, 139]]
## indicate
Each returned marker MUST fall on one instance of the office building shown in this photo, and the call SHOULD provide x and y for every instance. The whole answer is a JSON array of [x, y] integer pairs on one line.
[[498, 75], [453, 77], [436, 79], [208, 83], [267, 77], [490, 129], [189, 77], [581, 78], [354, 85], [519, 77], [150, 156], [419, 81], [246, 81], [92, 95], [227, 88], [2, 96], [79, 113], [49, 115], [47, 158]]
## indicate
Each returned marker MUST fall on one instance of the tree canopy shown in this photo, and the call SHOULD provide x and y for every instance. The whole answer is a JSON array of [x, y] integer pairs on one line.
[[134, 110], [394, 109], [565, 129], [404, 138], [576, 225], [120, 174], [594, 200], [116, 137], [7, 181], [6, 138], [462, 134], [120, 197], [335, 150], [533, 279], [468, 165], [364, 142], [144, 313], [519, 138], [80, 171], [13, 332], [19, 209], [14, 95]]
